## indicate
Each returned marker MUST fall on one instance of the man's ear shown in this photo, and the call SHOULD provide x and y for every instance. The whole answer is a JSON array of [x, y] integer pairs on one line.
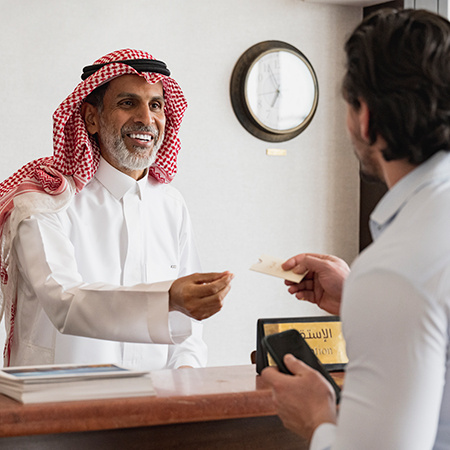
[[90, 116], [364, 120]]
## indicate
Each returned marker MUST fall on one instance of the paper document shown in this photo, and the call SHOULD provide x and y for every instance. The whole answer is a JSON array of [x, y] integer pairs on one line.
[[272, 266]]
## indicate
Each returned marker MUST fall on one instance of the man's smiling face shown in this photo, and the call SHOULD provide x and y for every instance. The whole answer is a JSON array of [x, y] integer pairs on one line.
[[130, 124]]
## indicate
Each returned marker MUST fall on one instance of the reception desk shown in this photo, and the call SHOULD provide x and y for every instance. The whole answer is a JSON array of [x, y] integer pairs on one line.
[[210, 408]]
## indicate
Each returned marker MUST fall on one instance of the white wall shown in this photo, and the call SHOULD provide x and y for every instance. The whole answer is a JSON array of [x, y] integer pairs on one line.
[[242, 202]]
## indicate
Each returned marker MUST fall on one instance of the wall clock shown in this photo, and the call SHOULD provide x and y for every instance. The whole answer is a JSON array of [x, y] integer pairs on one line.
[[274, 91]]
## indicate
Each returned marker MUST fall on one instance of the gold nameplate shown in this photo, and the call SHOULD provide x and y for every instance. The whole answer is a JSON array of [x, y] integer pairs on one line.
[[323, 335]]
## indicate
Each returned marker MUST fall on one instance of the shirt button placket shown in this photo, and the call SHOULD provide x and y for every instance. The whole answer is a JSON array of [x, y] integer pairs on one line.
[[133, 267]]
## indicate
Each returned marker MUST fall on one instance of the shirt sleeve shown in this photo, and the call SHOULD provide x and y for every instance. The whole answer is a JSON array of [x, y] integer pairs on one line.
[[46, 262], [396, 335], [191, 352]]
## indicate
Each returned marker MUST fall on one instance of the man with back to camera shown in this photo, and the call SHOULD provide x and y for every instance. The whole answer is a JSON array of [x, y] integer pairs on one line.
[[395, 302], [93, 237]]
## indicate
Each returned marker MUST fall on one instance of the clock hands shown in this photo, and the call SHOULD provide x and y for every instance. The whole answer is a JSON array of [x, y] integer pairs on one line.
[[277, 86], [276, 98], [277, 94], [275, 82]]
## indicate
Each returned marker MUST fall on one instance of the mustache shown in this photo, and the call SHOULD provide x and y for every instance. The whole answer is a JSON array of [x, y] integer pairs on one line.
[[140, 128]]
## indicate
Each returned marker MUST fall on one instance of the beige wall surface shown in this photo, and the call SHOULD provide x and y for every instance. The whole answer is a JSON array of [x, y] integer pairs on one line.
[[243, 203]]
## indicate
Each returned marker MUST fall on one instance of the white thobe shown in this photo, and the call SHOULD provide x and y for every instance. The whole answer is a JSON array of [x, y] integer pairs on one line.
[[94, 279]]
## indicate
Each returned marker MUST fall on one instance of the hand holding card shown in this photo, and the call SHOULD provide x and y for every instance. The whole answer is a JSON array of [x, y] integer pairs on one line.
[[272, 266]]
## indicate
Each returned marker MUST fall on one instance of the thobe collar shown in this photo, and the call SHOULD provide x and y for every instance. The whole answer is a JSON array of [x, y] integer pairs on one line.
[[434, 169], [117, 182]]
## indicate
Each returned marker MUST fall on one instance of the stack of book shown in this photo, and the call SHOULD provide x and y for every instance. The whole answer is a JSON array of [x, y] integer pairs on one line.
[[57, 383]]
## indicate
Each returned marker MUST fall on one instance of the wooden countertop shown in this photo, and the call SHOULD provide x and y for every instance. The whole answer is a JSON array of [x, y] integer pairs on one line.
[[185, 395]]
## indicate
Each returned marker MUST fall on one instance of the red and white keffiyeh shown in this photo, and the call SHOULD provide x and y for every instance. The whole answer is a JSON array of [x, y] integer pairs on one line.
[[48, 184]]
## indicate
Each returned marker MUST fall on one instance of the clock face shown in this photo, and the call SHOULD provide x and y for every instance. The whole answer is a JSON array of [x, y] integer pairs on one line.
[[280, 90], [274, 91]]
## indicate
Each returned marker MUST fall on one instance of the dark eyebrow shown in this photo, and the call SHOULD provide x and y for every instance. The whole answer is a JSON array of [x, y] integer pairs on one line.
[[127, 94], [131, 95]]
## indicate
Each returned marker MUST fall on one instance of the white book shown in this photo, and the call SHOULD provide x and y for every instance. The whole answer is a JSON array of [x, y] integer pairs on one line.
[[64, 382]]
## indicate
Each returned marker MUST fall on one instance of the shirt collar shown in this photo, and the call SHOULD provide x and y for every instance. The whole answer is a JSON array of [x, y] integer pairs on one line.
[[435, 168], [117, 182]]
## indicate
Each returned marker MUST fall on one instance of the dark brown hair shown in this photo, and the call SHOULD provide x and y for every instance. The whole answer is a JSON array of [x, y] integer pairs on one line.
[[95, 98], [398, 62]]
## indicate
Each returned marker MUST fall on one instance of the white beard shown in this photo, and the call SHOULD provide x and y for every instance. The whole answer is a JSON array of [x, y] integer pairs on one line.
[[115, 145]]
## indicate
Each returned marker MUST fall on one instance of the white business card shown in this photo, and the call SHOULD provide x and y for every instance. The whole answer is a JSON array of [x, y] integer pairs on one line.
[[272, 266]]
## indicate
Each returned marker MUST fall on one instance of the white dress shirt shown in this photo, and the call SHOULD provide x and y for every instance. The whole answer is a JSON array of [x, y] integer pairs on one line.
[[395, 313], [94, 278]]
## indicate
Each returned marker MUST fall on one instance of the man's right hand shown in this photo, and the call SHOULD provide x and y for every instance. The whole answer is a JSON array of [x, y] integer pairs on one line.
[[324, 281], [304, 400], [199, 295]]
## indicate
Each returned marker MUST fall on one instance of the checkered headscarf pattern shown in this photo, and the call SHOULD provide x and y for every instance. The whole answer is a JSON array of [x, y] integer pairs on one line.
[[76, 154]]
